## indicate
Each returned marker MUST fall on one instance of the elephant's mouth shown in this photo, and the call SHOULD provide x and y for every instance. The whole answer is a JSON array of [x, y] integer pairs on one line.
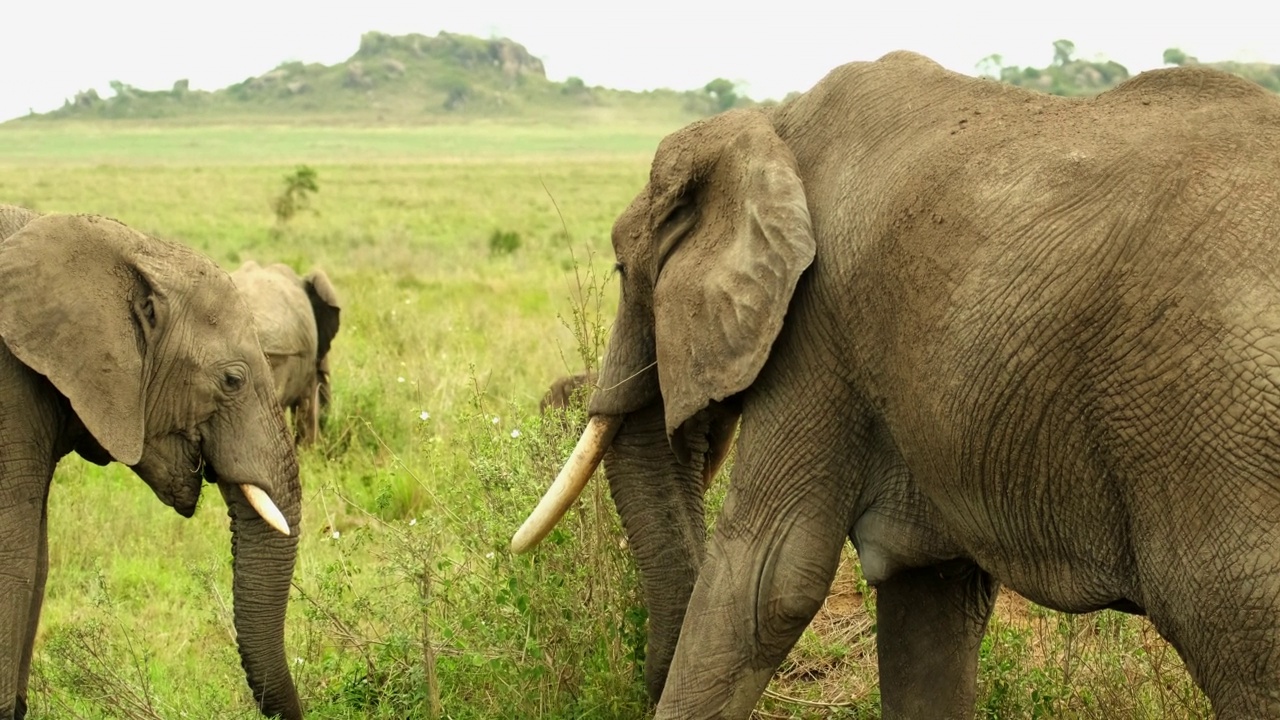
[[256, 496], [185, 493]]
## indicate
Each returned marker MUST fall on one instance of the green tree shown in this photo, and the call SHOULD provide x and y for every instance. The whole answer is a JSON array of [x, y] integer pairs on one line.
[[1175, 56], [1062, 52], [990, 66], [723, 92], [298, 186]]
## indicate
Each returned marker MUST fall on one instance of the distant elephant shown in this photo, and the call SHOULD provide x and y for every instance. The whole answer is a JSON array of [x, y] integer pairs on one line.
[[128, 348], [297, 319], [563, 390], [991, 336]]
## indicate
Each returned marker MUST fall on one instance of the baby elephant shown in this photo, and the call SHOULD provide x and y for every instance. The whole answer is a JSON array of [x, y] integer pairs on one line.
[[296, 319], [564, 389]]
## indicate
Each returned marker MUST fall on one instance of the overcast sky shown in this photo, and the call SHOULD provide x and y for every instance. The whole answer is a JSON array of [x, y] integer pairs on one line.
[[50, 49]]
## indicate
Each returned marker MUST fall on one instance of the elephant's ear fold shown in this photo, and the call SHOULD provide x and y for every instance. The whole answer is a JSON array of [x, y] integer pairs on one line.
[[325, 305], [731, 232], [76, 311]]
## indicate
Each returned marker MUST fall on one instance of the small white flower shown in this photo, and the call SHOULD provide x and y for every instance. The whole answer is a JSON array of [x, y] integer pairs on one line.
[[515, 433], [489, 555], [297, 661], [336, 534], [413, 521], [495, 419], [424, 415], [400, 379]]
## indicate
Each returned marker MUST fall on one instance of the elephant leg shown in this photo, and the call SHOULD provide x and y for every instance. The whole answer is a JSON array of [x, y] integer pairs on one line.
[[751, 602], [769, 564], [21, 508], [1219, 599], [33, 618], [929, 625]]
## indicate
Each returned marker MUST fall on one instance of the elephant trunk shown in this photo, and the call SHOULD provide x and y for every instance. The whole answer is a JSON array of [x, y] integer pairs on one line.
[[660, 501], [263, 560]]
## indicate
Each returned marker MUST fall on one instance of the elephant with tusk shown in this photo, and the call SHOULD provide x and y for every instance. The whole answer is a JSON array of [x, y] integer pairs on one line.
[[990, 336], [124, 347]]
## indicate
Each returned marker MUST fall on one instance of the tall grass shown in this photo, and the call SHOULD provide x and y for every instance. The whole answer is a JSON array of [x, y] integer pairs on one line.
[[406, 601]]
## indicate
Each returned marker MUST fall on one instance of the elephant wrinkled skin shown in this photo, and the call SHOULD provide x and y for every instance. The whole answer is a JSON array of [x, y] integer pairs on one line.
[[989, 335], [297, 319], [128, 348]]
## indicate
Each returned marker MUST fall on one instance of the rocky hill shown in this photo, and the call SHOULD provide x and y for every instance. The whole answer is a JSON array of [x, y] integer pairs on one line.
[[394, 79], [414, 79]]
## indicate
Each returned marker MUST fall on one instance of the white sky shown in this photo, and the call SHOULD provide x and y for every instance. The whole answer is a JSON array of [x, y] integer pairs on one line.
[[50, 49]]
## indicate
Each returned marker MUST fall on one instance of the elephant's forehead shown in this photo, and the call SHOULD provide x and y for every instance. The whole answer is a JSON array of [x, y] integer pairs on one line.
[[214, 302]]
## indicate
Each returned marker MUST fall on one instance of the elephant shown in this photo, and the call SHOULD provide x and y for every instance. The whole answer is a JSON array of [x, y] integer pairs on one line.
[[564, 389], [297, 319], [129, 348], [992, 337]]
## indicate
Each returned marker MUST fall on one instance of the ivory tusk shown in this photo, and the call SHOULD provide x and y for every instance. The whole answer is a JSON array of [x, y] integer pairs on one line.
[[261, 503], [573, 477]]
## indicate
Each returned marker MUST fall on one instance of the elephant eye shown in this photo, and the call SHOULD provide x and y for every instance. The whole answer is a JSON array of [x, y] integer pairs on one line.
[[232, 381], [620, 269]]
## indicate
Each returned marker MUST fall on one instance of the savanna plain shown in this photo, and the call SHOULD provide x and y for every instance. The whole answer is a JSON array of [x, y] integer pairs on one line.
[[474, 267]]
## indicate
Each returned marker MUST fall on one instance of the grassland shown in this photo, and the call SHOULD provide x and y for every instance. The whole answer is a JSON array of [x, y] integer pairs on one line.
[[406, 599]]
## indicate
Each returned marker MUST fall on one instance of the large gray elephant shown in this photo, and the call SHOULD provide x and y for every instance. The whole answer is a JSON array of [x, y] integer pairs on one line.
[[297, 319], [989, 335], [128, 348]]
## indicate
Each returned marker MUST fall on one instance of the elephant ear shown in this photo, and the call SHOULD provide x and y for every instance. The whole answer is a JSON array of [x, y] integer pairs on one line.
[[77, 311], [12, 218], [324, 303], [730, 224]]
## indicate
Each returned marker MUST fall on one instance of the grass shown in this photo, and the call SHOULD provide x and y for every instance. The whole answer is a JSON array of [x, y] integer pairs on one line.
[[147, 144], [406, 602]]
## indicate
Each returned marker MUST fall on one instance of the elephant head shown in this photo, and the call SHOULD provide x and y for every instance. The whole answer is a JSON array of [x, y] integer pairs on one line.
[[709, 254], [155, 355], [296, 319], [562, 391]]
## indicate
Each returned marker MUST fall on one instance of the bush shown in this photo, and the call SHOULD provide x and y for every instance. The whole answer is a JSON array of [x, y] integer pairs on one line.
[[298, 186], [504, 242]]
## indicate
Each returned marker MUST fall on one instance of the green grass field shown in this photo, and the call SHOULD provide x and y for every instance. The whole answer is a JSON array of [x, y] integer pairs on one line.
[[407, 602]]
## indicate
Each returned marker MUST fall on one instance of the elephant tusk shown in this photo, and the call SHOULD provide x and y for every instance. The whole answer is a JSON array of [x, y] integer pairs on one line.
[[261, 503], [569, 483]]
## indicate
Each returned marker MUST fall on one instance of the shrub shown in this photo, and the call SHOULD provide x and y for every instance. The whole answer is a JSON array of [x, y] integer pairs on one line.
[[504, 242], [298, 186]]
